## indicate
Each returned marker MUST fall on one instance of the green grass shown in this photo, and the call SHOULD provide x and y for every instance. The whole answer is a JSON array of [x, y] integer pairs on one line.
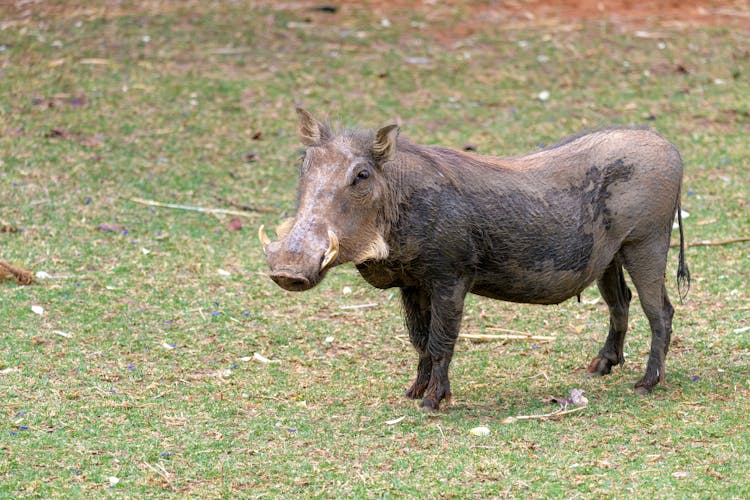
[[155, 384]]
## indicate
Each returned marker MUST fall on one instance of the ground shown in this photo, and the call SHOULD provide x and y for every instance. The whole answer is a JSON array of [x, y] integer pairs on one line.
[[154, 357]]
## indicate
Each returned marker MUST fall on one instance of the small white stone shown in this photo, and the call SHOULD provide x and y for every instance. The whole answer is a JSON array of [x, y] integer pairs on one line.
[[480, 431]]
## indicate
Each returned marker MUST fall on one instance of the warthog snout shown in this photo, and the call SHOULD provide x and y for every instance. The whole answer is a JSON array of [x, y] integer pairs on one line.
[[290, 281], [298, 267]]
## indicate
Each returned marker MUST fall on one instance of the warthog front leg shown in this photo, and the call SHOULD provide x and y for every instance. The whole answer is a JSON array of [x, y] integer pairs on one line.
[[416, 302], [447, 306]]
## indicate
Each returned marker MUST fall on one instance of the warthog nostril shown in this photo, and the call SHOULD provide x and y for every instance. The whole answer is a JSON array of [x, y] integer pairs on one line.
[[291, 282]]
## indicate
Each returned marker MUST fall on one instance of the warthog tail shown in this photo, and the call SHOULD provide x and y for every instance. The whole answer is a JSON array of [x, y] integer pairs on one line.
[[683, 271]]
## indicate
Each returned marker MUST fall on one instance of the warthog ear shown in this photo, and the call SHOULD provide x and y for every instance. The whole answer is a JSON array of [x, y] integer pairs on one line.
[[311, 131], [384, 147]]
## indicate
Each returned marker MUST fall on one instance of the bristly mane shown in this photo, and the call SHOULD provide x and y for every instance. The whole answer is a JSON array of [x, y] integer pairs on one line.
[[585, 132]]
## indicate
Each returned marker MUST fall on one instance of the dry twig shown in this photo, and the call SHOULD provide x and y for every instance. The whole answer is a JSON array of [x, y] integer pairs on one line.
[[709, 243], [520, 336], [22, 276], [192, 208], [543, 416], [246, 208]]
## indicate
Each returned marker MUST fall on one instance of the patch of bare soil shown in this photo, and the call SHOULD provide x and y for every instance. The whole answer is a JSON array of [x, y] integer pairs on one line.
[[630, 14], [734, 13]]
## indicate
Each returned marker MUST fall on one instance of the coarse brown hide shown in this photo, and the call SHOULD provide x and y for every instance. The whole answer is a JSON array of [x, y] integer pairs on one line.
[[537, 228]]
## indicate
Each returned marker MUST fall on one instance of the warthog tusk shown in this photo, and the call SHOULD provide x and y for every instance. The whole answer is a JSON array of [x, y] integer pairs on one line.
[[264, 239], [333, 251]]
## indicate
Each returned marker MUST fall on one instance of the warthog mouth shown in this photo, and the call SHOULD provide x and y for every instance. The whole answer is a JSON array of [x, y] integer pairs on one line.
[[292, 281]]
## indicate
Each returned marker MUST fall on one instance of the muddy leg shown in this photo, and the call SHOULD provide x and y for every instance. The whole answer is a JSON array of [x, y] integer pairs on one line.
[[447, 309], [617, 296], [646, 265], [669, 310], [416, 302]]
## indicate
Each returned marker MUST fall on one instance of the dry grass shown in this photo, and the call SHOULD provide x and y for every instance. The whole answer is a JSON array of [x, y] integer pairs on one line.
[[142, 366]]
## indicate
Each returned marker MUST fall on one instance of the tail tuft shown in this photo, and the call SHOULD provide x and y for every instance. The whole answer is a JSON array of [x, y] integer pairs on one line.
[[683, 271]]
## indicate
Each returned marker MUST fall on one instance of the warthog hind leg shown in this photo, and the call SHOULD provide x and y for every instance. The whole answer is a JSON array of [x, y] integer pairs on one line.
[[646, 264], [617, 295]]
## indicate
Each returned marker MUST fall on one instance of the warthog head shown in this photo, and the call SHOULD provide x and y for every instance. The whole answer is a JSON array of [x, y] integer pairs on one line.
[[341, 197]]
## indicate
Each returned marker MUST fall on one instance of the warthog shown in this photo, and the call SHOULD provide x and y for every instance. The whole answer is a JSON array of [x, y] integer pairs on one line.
[[537, 228]]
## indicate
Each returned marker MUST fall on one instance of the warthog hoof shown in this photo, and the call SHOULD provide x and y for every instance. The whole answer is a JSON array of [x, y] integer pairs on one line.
[[599, 366], [645, 386], [416, 391], [431, 402], [429, 405], [642, 390]]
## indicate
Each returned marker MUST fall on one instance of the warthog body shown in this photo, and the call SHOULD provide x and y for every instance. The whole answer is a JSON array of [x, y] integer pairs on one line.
[[440, 223]]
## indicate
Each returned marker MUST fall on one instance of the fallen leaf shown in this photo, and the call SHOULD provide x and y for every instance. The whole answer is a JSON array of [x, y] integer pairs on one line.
[[418, 60], [595, 300], [235, 224], [263, 359], [95, 61], [359, 306], [113, 228], [92, 141], [576, 398], [703, 222], [58, 133]]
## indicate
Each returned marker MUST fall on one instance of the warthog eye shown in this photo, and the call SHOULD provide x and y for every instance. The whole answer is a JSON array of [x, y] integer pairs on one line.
[[361, 175]]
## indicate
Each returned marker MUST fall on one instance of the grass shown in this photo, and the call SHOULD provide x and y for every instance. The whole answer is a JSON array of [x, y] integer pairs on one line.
[[155, 384]]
